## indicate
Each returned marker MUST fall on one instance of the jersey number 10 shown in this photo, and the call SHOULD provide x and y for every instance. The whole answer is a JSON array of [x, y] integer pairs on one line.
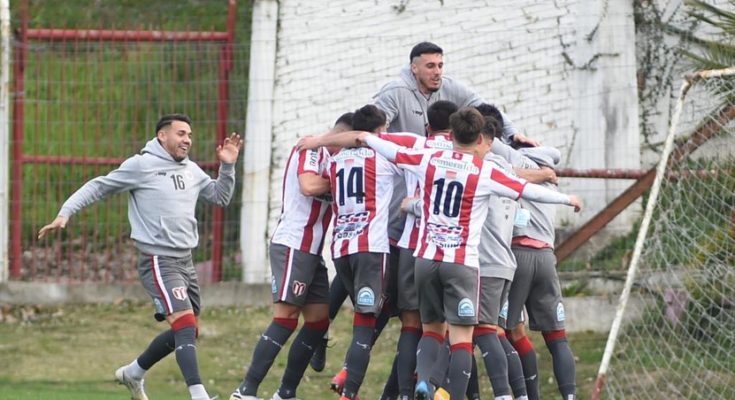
[[449, 200]]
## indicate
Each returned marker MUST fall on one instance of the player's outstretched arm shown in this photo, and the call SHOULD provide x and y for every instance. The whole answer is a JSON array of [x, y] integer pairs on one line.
[[228, 151], [58, 223], [525, 140], [342, 139], [544, 174], [383, 147]]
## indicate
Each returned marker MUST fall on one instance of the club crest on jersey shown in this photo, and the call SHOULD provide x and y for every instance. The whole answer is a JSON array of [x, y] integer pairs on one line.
[[444, 236], [298, 288], [366, 297], [349, 226], [457, 165], [504, 310], [179, 293], [274, 287], [560, 314], [466, 308]]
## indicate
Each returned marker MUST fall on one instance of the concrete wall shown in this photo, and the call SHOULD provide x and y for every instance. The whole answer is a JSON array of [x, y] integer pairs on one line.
[[594, 313], [564, 71]]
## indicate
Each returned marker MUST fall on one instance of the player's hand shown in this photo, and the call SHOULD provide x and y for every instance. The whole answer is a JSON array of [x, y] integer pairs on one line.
[[550, 175], [361, 138], [575, 202], [406, 204], [228, 151], [523, 139], [309, 142], [59, 222]]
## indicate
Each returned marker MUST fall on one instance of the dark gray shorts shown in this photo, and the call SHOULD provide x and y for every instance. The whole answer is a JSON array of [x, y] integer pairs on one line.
[[447, 292], [408, 298], [364, 277], [536, 285], [171, 282], [493, 294], [391, 282], [297, 277]]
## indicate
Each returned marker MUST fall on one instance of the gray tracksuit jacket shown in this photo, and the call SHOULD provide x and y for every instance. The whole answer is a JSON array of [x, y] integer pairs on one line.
[[162, 197], [405, 106]]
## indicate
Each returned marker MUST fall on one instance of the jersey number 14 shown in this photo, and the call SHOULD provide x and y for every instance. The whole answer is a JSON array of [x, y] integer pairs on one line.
[[353, 186]]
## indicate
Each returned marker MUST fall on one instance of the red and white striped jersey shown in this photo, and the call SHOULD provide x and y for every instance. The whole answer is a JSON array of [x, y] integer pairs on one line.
[[410, 236], [304, 219], [455, 190], [362, 186]]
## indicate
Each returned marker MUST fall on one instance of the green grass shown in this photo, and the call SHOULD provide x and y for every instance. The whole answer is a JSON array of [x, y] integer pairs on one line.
[[72, 352]]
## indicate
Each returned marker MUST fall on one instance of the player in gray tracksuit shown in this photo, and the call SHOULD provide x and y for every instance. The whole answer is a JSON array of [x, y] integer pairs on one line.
[[536, 283], [163, 188]]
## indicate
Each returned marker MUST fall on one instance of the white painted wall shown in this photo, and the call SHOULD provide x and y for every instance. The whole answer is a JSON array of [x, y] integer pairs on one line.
[[538, 61]]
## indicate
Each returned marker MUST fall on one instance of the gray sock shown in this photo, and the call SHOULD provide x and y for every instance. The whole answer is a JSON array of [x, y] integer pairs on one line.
[[527, 354], [406, 357], [515, 369], [186, 355], [427, 358], [390, 390], [460, 369], [268, 347], [473, 385], [495, 362], [161, 346], [299, 356], [563, 362], [358, 356]]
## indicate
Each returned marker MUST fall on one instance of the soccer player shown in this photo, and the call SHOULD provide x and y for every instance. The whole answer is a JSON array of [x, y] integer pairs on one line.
[[299, 281], [163, 187], [536, 283], [456, 186], [362, 185]]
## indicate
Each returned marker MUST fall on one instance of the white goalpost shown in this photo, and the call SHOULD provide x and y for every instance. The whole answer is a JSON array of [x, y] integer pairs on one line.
[[683, 270]]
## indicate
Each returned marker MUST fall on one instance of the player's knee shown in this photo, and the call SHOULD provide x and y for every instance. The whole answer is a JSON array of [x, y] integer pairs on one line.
[[553, 336], [183, 321]]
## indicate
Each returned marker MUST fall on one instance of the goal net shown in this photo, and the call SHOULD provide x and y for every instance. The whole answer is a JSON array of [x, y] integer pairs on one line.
[[674, 334]]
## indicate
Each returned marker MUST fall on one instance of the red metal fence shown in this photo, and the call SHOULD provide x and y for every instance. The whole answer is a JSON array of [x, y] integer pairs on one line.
[[83, 101]]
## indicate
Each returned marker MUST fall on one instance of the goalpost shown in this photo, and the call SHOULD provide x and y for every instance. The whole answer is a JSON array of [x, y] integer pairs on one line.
[[677, 339]]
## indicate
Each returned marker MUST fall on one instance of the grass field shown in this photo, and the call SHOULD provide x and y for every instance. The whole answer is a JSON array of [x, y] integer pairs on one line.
[[71, 352]]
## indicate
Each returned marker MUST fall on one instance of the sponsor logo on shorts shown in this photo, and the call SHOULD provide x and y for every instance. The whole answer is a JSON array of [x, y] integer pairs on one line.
[[560, 315], [504, 310], [179, 293], [159, 306], [298, 288], [366, 297], [466, 308], [274, 287]]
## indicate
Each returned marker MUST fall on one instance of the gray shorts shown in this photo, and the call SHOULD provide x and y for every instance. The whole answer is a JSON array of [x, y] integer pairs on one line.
[[447, 292], [408, 298], [364, 277], [536, 285], [493, 294], [171, 282], [297, 277], [391, 283]]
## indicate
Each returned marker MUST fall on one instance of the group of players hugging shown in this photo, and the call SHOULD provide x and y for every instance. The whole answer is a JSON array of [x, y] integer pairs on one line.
[[442, 215]]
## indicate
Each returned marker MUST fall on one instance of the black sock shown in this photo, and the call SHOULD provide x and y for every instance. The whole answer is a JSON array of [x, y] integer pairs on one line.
[[358, 356], [439, 370], [460, 369], [300, 354], [427, 358], [390, 390], [473, 385], [268, 347], [406, 358], [186, 354], [515, 369], [161, 346], [563, 362], [527, 354], [495, 362]]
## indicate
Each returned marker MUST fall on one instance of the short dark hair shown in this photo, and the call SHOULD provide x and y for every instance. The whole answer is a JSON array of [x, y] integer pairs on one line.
[[345, 119], [438, 114], [167, 119], [489, 110], [424, 48], [466, 125], [492, 129], [368, 118]]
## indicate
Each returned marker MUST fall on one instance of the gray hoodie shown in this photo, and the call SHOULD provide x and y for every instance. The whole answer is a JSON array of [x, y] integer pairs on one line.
[[162, 196], [405, 106]]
